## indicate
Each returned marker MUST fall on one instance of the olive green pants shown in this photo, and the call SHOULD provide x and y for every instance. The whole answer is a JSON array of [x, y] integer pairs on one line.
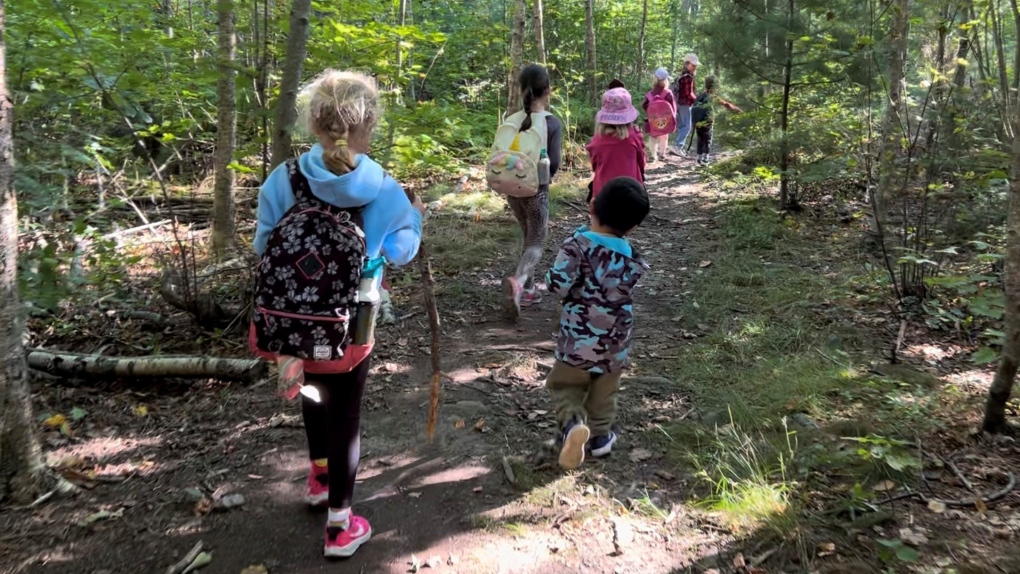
[[588, 396]]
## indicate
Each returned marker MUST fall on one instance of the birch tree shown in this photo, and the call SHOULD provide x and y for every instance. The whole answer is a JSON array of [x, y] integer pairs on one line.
[[22, 470], [895, 108], [1002, 385], [589, 32], [226, 117], [516, 56], [539, 25]]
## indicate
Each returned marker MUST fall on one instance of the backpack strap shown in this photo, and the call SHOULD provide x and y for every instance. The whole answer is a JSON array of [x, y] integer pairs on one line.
[[544, 134], [298, 182]]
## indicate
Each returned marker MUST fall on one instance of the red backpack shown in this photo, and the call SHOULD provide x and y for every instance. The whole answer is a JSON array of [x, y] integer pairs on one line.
[[661, 115]]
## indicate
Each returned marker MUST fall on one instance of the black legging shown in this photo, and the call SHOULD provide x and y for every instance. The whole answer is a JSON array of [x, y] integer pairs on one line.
[[704, 139], [333, 427]]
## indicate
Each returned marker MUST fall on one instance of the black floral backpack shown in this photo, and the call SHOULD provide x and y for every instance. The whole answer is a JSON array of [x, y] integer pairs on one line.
[[306, 284]]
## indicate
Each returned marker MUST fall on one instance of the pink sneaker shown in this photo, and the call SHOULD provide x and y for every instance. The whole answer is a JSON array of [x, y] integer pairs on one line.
[[317, 489], [344, 543], [531, 297], [512, 292]]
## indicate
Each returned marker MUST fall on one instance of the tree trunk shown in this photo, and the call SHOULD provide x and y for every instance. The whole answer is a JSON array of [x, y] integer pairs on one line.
[[639, 69], [765, 88], [1016, 47], [891, 122], [953, 107], [411, 93], [1002, 384], [589, 28], [674, 26], [391, 129], [1000, 57], [401, 21], [960, 75], [979, 44], [226, 119], [286, 110], [985, 50], [785, 200], [22, 470], [516, 56], [262, 79], [539, 23], [80, 365]]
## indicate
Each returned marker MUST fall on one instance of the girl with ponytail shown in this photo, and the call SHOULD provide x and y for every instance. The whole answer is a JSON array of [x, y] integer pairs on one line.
[[341, 110], [532, 213]]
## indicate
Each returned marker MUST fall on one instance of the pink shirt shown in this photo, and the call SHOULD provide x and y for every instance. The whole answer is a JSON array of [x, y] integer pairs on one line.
[[612, 157]]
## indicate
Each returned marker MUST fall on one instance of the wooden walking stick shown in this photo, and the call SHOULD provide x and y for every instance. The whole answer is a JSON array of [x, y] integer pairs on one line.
[[429, 296]]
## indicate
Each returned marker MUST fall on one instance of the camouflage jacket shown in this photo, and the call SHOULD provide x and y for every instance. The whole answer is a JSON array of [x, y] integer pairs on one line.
[[595, 282]]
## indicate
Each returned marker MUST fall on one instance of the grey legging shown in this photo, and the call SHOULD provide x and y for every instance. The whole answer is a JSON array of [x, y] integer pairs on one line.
[[532, 214]]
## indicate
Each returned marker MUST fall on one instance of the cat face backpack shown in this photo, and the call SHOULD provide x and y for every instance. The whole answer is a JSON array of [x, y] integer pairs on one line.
[[661, 116]]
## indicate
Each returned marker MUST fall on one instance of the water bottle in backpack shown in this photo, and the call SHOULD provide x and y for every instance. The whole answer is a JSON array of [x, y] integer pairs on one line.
[[369, 299], [544, 168]]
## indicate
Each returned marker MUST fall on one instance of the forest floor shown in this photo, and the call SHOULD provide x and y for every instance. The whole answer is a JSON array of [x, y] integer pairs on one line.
[[763, 428]]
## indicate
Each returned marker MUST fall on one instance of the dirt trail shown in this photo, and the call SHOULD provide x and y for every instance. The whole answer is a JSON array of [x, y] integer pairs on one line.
[[452, 500]]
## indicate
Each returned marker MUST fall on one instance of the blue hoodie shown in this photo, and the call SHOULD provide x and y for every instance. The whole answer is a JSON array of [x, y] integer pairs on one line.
[[392, 226]]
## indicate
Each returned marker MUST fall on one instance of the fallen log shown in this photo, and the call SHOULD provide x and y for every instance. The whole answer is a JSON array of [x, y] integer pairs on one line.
[[65, 363]]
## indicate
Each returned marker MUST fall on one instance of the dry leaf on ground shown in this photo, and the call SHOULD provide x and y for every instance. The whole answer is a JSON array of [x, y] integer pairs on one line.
[[884, 486], [912, 537], [640, 455]]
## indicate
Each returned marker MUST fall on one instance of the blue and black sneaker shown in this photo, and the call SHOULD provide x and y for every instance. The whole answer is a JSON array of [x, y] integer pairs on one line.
[[574, 438], [601, 446]]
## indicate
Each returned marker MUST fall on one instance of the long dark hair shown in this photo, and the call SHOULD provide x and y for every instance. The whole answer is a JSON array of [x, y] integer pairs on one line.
[[534, 81]]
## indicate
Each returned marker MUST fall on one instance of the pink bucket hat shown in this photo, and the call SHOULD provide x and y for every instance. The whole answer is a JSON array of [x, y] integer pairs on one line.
[[616, 108]]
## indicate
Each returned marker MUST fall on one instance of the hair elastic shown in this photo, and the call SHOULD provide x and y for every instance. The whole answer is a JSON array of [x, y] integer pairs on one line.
[[340, 143]]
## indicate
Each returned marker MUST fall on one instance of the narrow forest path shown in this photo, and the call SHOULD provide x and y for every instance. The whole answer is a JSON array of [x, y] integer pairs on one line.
[[454, 501], [450, 506]]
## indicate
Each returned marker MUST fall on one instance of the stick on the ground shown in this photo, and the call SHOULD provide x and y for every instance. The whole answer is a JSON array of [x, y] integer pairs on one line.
[[82, 365], [899, 340], [987, 500], [429, 296], [956, 471], [186, 561], [509, 471], [133, 230]]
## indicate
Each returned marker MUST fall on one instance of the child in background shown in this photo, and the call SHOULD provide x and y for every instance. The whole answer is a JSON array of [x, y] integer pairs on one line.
[[683, 91], [595, 274], [342, 109], [660, 107], [703, 116], [617, 149], [532, 213]]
